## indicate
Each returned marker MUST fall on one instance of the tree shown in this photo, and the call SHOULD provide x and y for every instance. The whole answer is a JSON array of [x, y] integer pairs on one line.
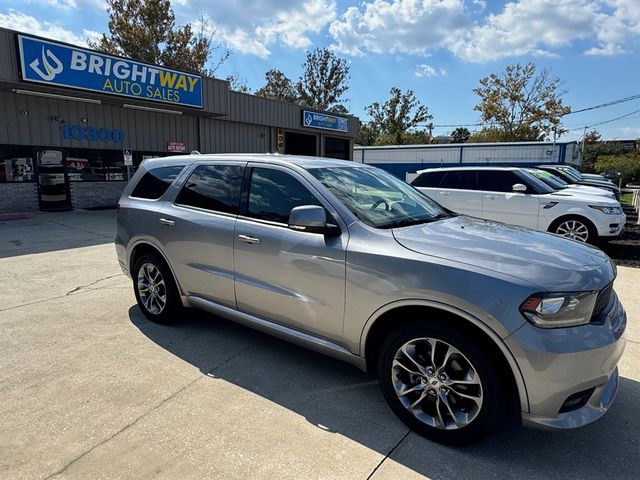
[[522, 104], [460, 135], [277, 87], [237, 84], [394, 122], [324, 80], [146, 31], [488, 135], [592, 137], [627, 165]]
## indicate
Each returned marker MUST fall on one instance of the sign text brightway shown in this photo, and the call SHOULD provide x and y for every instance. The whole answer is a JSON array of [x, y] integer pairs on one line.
[[324, 121], [52, 63]]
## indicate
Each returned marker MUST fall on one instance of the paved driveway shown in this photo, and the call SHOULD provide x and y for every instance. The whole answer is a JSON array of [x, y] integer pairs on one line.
[[90, 389]]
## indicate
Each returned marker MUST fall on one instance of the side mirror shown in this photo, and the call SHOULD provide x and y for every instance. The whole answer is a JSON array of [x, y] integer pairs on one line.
[[519, 187], [309, 218]]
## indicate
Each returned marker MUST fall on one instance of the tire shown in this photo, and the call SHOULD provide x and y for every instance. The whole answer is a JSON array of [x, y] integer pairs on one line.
[[160, 302], [440, 413], [572, 227]]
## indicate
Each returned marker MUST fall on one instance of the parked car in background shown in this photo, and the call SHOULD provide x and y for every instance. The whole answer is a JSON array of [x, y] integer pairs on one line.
[[513, 195], [463, 320], [560, 185], [572, 176]]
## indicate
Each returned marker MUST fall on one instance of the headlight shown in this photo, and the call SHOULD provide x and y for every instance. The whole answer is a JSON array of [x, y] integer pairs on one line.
[[556, 310], [608, 210]]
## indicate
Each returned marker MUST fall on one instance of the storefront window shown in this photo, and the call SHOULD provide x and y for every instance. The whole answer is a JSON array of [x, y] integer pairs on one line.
[[114, 167], [85, 165], [16, 164]]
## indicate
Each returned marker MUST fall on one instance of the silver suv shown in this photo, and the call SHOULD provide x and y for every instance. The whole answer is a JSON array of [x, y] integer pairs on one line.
[[462, 319]]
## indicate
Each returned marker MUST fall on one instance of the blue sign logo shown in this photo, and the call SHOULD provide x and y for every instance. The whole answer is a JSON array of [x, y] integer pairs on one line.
[[52, 63], [327, 122]]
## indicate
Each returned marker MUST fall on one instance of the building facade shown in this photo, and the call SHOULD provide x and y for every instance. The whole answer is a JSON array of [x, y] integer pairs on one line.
[[404, 160], [74, 123]]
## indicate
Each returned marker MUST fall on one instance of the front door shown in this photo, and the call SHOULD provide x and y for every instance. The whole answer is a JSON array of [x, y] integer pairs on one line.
[[53, 187], [289, 277]]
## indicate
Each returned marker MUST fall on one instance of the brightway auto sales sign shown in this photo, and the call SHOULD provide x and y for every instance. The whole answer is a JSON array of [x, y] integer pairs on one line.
[[53, 63]]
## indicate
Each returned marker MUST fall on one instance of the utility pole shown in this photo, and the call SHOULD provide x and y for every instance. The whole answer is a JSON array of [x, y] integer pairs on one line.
[[584, 137]]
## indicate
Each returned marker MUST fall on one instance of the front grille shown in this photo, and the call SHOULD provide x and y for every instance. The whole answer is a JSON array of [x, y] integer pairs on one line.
[[602, 301]]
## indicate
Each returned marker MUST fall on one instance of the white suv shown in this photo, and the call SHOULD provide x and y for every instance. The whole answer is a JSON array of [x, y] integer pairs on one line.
[[513, 195]]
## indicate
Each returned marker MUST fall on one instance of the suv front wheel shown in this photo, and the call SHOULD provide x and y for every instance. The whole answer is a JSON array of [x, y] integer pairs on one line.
[[439, 382]]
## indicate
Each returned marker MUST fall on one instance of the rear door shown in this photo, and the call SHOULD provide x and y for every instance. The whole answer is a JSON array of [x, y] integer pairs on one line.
[[458, 191], [196, 230], [501, 203], [428, 183]]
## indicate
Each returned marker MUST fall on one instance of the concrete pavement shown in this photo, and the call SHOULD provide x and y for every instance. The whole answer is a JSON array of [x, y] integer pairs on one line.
[[90, 389]]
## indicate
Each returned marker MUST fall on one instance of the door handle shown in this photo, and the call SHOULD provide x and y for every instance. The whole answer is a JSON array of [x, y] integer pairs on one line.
[[444, 194], [169, 223], [248, 239], [493, 197]]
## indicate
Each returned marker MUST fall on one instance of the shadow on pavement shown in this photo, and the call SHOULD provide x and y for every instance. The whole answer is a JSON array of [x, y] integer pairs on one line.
[[46, 232], [337, 397]]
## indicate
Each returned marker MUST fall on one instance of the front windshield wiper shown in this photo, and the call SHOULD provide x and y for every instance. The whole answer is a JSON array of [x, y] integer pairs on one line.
[[407, 222]]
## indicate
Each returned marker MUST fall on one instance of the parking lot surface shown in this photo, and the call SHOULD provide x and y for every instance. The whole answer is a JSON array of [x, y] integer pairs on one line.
[[90, 389]]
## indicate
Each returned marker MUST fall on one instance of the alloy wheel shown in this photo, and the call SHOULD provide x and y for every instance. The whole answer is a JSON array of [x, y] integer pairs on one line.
[[573, 229], [436, 383], [151, 288]]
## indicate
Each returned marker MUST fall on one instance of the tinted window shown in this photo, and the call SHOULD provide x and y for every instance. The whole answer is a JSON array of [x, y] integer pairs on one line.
[[155, 182], [428, 179], [273, 193], [213, 187], [497, 180], [460, 180]]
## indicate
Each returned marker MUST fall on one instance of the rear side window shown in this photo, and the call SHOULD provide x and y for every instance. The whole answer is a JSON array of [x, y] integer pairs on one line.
[[428, 179], [273, 194], [497, 180], [460, 180], [213, 187], [155, 182]]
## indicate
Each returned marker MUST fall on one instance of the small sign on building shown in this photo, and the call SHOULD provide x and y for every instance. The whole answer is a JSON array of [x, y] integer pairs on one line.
[[128, 157], [173, 146], [324, 121]]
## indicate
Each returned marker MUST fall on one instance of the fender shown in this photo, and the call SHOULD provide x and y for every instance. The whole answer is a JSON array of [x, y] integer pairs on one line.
[[495, 338]]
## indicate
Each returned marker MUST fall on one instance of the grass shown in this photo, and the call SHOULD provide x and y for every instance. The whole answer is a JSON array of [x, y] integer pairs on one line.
[[626, 198]]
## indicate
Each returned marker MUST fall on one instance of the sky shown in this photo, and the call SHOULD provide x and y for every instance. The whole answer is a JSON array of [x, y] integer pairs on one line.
[[438, 48]]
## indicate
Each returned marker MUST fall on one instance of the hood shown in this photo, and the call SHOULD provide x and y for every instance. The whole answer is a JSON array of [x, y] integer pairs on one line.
[[554, 263], [580, 197], [586, 189], [598, 183]]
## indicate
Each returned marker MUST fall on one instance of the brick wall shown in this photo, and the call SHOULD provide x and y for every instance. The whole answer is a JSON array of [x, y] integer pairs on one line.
[[96, 194], [18, 197]]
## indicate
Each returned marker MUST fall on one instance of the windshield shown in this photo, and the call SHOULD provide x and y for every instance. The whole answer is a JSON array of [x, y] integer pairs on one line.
[[574, 176], [552, 181], [378, 198], [538, 185]]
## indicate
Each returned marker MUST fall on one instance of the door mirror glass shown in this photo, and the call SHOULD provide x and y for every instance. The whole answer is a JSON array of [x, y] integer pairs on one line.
[[519, 187], [308, 218]]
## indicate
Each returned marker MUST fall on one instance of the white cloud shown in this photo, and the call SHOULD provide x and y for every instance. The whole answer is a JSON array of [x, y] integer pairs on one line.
[[25, 23], [287, 22], [62, 3], [424, 70], [398, 26]]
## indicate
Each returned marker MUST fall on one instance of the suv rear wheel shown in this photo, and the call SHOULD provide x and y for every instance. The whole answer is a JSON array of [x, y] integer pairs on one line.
[[155, 289], [440, 382]]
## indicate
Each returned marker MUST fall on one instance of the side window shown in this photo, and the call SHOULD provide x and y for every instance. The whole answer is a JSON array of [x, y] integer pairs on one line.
[[460, 180], [497, 180], [155, 182], [213, 187], [273, 193], [428, 179]]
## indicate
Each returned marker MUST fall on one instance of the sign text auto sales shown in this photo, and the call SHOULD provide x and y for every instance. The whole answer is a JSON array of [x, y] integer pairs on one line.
[[57, 64]]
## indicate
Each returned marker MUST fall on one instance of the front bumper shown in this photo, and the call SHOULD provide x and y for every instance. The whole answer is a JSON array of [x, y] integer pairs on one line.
[[611, 225], [559, 363]]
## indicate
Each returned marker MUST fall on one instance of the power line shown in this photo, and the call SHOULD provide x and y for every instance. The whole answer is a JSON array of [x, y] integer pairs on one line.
[[602, 105], [606, 121]]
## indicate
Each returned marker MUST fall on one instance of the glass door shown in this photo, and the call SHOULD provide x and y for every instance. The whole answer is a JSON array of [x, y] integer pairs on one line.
[[53, 186]]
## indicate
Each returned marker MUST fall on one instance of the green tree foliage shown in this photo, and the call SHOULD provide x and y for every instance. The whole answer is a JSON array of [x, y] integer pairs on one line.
[[488, 135], [394, 122], [520, 104], [324, 79], [627, 165], [460, 135], [277, 87], [147, 31], [237, 84]]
